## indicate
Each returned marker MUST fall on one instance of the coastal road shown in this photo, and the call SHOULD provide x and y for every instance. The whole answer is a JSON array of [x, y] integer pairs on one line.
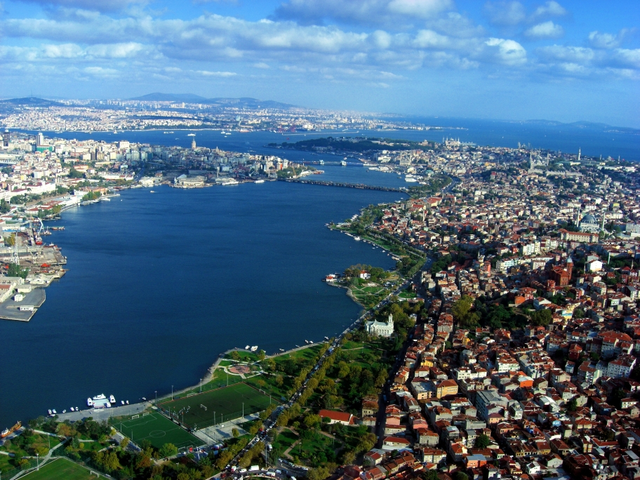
[[104, 414]]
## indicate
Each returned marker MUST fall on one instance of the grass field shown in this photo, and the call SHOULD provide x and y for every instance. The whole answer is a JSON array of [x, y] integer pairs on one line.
[[216, 406], [61, 469], [157, 429]]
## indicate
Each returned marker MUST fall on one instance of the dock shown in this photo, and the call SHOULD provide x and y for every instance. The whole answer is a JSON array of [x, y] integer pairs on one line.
[[23, 310]]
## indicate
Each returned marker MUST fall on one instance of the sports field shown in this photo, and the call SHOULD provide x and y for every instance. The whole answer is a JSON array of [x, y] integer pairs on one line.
[[62, 469], [216, 406], [155, 428]]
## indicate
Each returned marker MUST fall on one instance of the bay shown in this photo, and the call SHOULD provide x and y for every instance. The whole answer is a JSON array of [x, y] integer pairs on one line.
[[158, 285], [592, 139]]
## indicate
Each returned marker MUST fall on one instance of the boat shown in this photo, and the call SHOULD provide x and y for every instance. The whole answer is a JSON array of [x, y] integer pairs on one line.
[[191, 134], [100, 401], [410, 179], [259, 181], [49, 412], [8, 431], [64, 411], [127, 402], [112, 399], [53, 410], [152, 191], [343, 163], [254, 348], [247, 347], [282, 349]]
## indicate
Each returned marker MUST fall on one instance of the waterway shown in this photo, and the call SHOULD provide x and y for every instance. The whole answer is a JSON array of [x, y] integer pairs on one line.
[[159, 284], [593, 140]]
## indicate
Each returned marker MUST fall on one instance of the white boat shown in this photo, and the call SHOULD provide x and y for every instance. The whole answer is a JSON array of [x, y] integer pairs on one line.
[[112, 399], [49, 412], [64, 411], [53, 410], [89, 402], [254, 348], [259, 181], [410, 179], [343, 163], [127, 402], [152, 191], [191, 135], [247, 347]]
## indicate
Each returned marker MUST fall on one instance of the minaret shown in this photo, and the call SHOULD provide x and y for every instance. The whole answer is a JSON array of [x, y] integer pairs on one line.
[[579, 153], [193, 143]]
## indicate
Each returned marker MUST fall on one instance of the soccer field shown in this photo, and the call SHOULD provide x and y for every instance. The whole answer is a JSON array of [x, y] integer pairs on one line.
[[155, 428], [62, 469], [216, 406]]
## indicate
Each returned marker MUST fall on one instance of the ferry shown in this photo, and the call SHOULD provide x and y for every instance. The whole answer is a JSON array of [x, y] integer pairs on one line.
[[100, 401]]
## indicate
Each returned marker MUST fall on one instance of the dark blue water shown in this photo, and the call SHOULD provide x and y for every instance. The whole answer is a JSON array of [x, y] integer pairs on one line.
[[594, 140], [159, 284]]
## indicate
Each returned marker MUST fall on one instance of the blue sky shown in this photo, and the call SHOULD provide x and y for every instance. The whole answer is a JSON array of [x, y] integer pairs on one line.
[[560, 60]]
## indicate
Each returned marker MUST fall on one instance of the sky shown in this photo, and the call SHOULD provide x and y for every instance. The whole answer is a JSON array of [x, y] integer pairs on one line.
[[566, 60]]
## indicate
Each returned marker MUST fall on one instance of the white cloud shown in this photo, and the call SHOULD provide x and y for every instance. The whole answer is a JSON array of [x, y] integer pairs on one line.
[[396, 14], [507, 52], [419, 8], [549, 9], [609, 40], [503, 12], [96, 5], [558, 53], [544, 30], [206, 73]]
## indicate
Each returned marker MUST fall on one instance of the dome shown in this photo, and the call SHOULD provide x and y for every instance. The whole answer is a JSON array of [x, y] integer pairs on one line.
[[588, 218]]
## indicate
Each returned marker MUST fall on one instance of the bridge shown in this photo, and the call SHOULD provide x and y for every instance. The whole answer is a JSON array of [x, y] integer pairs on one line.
[[359, 186]]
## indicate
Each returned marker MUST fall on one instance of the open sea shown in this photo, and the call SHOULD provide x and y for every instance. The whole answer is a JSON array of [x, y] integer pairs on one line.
[[158, 285]]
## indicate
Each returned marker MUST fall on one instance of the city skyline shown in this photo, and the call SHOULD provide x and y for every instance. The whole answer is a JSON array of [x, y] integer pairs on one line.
[[564, 61]]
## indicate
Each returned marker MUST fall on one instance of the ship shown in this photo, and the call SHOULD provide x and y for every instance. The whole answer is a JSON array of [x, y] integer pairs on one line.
[[101, 401], [259, 181], [8, 431], [191, 134]]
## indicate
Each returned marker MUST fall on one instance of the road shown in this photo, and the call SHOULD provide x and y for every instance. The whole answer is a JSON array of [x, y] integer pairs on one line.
[[104, 414]]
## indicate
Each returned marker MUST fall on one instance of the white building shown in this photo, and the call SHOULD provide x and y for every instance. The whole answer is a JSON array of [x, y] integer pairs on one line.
[[380, 329]]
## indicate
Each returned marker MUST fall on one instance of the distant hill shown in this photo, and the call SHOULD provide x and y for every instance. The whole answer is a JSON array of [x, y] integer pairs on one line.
[[246, 102], [170, 97], [600, 127], [31, 102]]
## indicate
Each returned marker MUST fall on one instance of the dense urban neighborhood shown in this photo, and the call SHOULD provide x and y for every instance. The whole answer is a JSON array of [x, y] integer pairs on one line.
[[504, 345]]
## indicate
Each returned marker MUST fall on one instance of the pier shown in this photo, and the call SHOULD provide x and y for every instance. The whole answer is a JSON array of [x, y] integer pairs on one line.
[[359, 186]]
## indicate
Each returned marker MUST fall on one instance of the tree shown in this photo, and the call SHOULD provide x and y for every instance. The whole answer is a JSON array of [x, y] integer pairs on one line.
[[460, 476], [235, 433], [234, 355], [483, 441], [4, 206], [430, 475], [73, 173], [16, 270], [168, 450]]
